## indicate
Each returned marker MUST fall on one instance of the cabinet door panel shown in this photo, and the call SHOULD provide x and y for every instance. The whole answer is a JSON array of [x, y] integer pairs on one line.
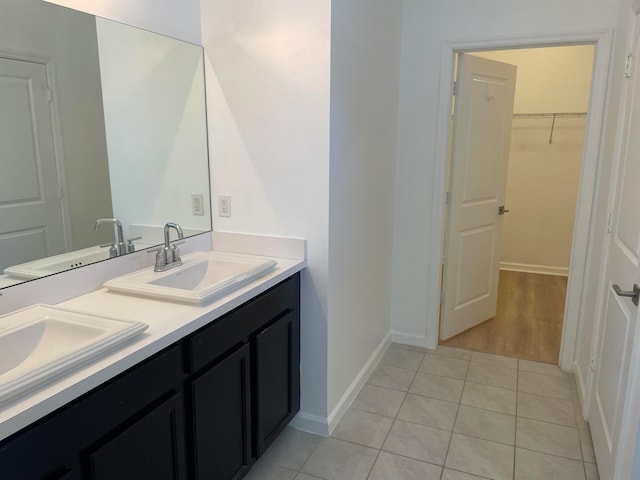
[[277, 360], [152, 447], [221, 403]]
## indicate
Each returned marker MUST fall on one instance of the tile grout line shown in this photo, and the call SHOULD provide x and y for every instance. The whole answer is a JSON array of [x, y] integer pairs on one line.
[[392, 422], [311, 454], [555, 455], [446, 454]]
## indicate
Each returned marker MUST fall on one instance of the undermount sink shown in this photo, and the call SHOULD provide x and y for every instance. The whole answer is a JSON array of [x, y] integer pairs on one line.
[[42, 342], [202, 277], [57, 263]]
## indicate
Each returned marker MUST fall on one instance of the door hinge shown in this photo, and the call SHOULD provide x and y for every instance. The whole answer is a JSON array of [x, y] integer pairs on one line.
[[60, 192], [447, 198], [442, 298], [610, 222], [627, 66], [592, 361], [455, 88], [49, 93]]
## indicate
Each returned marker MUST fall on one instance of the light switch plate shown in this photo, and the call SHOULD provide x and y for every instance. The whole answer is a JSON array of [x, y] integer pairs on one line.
[[224, 205], [197, 206]]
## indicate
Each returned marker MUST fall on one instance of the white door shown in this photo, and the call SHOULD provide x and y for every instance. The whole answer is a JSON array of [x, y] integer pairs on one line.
[[613, 408], [30, 208], [478, 176]]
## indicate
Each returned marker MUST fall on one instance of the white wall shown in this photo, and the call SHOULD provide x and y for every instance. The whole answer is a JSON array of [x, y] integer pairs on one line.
[[155, 120], [543, 177], [426, 25], [365, 60], [552, 79], [178, 19], [267, 69], [541, 195]]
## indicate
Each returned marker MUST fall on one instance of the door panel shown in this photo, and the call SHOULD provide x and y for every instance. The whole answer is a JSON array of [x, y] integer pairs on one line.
[[613, 415], [277, 360], [475, 283], [31, 220], [153, 447], [478, 175], [610, 381], [222, 419]]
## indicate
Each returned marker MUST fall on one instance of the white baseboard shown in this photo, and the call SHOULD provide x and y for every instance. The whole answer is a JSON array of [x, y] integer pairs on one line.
[[345, 402], [529, 268], [310, 423], [413, 340]]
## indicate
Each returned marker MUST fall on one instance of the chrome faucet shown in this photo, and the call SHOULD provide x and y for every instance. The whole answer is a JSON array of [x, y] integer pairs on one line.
[[168, 255], [119, 247]]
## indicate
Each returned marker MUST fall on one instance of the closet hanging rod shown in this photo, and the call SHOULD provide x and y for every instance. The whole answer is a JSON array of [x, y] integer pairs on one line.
[[551, 115]]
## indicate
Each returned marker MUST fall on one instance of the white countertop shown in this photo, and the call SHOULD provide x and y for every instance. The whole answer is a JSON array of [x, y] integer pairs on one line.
[[168, 322]]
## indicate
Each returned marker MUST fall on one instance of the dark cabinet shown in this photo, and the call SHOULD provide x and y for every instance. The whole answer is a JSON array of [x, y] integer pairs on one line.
[[221, 418], [152, 446], [277, 360], [68, 475], [204, 408], [250, 388]]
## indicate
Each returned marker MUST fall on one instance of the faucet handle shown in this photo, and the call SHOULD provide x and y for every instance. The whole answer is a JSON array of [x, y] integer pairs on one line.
[[130, 246], [113, 251]]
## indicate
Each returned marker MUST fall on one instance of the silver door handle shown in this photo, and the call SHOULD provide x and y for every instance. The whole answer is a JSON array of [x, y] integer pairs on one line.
[[502, 210], [634, 295]]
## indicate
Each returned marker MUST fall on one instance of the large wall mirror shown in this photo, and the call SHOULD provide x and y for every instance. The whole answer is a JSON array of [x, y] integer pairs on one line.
[[97, 120]]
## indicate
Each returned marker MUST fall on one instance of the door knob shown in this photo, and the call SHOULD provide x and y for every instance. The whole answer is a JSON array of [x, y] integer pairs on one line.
[[634, 295], [502, 210]]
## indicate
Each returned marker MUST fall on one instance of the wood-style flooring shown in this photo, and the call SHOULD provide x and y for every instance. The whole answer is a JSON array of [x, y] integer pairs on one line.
[[528, 322]]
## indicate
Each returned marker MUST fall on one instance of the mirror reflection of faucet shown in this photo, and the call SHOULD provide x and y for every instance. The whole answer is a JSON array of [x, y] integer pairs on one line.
[[168, 255], [118, 247]]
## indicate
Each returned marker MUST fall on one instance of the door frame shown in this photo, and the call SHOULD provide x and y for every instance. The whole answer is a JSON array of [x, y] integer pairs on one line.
[[574, 314], [56, 125]]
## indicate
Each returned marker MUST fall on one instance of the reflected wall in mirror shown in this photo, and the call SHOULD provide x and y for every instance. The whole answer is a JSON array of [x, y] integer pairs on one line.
[[97, 120]]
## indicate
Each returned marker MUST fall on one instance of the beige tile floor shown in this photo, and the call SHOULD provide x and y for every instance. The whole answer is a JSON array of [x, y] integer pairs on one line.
[[446, 414]]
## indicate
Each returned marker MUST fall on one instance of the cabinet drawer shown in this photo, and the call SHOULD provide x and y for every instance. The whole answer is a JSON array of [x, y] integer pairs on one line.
[[235, 328]]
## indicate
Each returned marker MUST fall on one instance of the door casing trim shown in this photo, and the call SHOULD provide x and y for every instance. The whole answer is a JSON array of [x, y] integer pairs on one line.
[[574, 314]]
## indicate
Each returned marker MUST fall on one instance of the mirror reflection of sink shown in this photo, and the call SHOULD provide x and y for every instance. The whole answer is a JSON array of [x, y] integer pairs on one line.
[[60, 263], [41, 342], [57, 263], [202, 277]]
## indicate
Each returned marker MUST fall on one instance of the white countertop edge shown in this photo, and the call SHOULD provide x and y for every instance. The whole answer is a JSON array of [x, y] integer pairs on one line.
[[168, 323]]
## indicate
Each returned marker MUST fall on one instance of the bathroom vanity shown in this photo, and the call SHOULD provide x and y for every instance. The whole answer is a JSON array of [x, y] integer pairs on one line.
[[207, 386], [205, 407]]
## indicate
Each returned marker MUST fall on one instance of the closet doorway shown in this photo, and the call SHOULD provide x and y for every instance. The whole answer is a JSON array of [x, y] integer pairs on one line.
[[533, 239]]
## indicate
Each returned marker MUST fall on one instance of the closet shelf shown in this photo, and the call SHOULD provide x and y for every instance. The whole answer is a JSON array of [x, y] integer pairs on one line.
[[552, 116]]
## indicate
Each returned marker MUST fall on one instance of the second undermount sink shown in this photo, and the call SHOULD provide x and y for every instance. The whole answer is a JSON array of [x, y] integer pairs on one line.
[[39, 343], [202, 277]]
